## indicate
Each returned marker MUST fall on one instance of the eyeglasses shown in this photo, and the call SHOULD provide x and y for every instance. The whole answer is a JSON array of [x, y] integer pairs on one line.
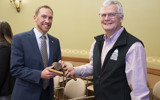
[[110, 15]]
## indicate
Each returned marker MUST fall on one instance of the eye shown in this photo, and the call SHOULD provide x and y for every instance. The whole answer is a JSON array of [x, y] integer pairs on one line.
[[43, 16], [111, 14], [102, 15], [50, 18]]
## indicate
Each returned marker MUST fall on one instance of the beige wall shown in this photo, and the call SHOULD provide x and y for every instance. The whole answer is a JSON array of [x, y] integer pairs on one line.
[[76, 22]]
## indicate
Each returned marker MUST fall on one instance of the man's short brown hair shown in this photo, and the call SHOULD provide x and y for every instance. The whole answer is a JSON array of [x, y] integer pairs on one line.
[[44, 6]]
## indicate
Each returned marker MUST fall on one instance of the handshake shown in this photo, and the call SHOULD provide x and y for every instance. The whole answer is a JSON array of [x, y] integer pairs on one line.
[[61, 70]]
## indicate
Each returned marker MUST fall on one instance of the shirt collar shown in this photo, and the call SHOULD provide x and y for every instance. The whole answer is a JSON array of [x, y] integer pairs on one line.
[[38, 34], [115, 36]]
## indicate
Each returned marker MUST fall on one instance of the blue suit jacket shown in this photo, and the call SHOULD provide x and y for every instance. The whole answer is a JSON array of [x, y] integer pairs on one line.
[[27, 64]]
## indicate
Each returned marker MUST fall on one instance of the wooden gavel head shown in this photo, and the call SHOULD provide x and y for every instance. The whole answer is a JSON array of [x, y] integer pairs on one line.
[[57, 66]]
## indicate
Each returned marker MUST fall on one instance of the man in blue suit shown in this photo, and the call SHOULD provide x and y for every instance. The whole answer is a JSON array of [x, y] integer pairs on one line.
[[26, 59]]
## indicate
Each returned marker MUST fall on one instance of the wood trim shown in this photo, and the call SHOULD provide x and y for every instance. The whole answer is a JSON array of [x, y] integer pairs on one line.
[[153, 71], [85, 60], [75, 59]]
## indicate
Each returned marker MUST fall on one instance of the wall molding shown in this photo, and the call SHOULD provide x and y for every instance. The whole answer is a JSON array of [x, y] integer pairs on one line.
[[76, 59], [153, 71]]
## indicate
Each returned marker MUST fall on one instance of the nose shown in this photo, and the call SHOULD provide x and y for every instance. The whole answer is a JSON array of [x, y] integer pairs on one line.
[[47, 20], [106, 17]]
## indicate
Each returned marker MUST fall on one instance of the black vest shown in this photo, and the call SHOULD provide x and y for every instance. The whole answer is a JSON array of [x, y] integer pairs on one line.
[[110, 82]]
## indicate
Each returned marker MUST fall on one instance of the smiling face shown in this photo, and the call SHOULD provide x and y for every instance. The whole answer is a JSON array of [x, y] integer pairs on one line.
[[43, 20], [110, 19]]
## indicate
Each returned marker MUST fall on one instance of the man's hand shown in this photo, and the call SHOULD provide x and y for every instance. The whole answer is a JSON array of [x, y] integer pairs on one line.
[[46, 74], [62, 63], [69, 72]]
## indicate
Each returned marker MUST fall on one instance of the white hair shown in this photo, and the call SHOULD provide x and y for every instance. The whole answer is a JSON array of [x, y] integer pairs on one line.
[[115, 2]]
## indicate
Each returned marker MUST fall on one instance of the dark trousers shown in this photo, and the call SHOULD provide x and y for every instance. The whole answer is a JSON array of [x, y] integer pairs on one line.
[[45, 95]]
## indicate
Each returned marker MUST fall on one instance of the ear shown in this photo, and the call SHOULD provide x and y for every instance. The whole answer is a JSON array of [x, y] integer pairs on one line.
[[35, 18], [121, 19]]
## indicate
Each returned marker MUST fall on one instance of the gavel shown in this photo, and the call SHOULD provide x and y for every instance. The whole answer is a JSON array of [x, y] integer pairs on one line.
[[58, 69]]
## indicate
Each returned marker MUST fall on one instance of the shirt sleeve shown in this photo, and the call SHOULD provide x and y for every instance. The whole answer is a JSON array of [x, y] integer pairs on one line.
[[136, 72], [87, 69]]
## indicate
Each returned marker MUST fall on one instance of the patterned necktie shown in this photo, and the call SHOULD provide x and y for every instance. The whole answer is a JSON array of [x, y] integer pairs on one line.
[[44, 58]]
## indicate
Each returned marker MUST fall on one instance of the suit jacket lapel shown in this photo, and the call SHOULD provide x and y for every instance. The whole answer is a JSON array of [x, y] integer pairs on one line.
[[34, 45], [51, 50]]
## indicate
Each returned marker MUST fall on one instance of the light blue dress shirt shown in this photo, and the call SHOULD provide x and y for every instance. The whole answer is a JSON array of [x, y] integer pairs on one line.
[[38, 37]]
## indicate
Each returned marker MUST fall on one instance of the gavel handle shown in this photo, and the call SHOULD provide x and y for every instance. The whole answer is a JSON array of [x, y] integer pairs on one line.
[[59, 72]]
